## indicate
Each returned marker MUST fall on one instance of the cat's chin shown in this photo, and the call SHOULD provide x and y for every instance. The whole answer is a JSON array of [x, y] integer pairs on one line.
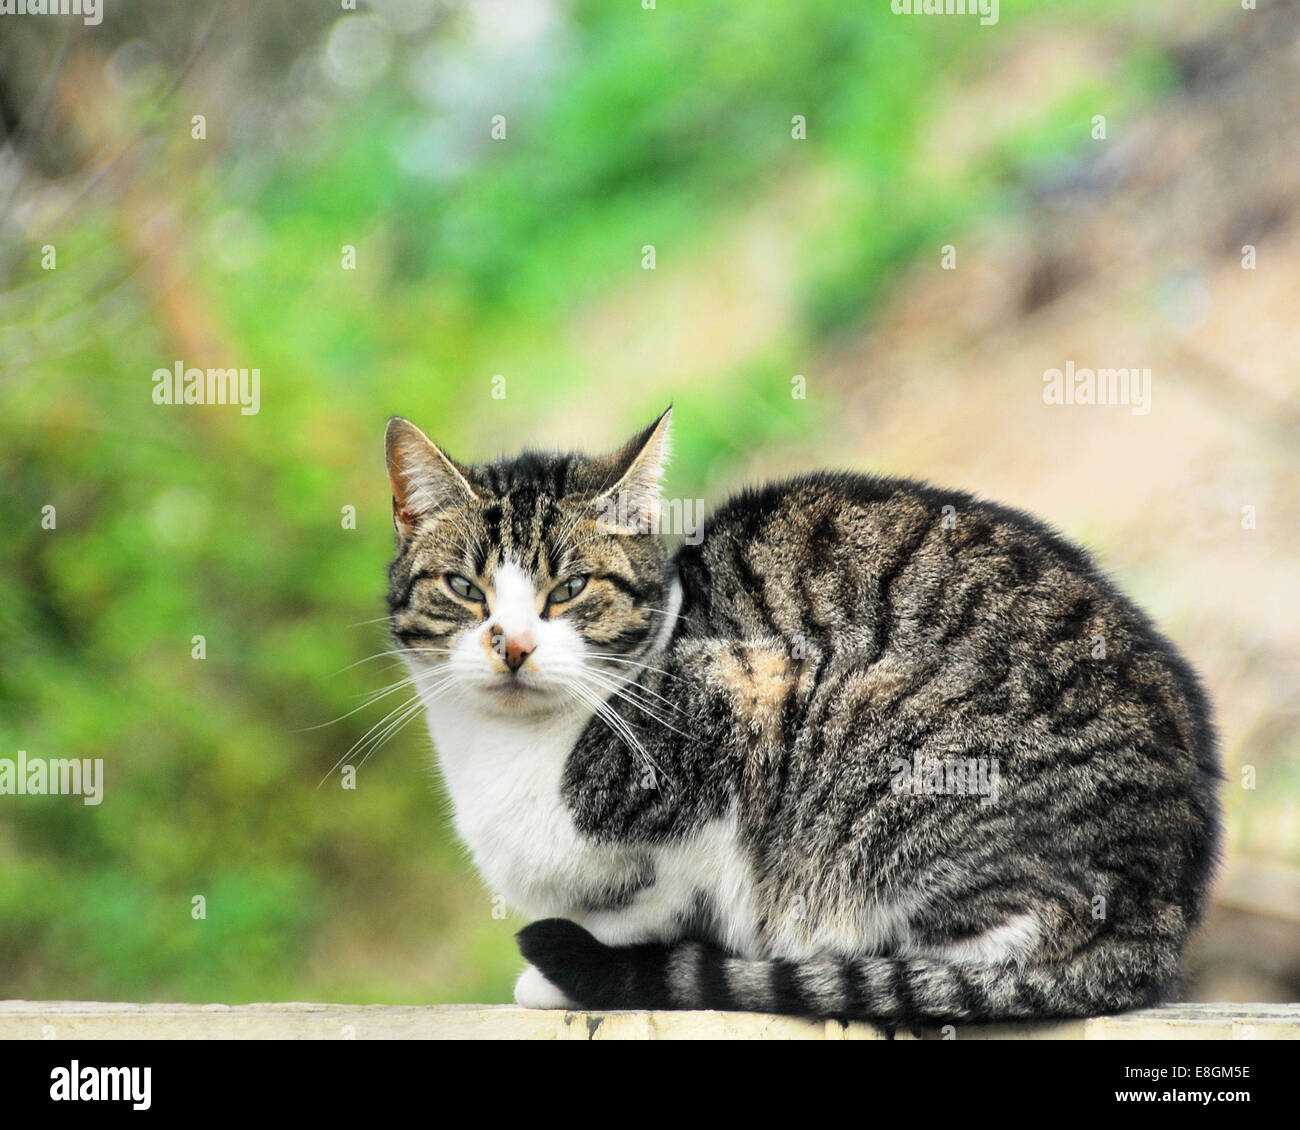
[[521, 700]]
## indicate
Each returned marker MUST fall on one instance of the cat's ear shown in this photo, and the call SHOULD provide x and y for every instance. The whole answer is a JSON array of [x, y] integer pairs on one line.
[[424, 480], [631, 505]]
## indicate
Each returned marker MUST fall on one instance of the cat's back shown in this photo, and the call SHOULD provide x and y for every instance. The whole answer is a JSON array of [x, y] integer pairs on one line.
[[869, 570], [817, 554]]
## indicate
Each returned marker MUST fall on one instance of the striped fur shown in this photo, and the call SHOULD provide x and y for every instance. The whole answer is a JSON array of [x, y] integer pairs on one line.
[[899, 992], [899, 753]]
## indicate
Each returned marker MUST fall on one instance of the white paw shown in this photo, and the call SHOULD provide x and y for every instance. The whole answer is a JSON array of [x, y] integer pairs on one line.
[[532, 990]]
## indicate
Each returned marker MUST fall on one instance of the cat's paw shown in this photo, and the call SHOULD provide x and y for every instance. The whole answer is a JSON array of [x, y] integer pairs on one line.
[[532, 990]]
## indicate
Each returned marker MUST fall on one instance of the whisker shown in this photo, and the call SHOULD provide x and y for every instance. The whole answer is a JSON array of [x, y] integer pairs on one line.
[[627, 687], [619, 725], [392, 730], [399, 652], [372, 698], [395, 727], [388, 725], [368, 736], [619, 693], [360, 740], [630, 662]]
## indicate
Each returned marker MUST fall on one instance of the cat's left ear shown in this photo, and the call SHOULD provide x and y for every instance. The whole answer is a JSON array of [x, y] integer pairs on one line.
[[424, 480], [631, 505]]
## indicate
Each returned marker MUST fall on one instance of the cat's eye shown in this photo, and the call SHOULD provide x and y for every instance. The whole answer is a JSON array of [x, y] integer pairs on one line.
[[462, 586], [567, 590]]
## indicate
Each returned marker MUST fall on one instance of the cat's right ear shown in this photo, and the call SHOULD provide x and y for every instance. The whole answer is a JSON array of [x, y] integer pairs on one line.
[[424, 480]]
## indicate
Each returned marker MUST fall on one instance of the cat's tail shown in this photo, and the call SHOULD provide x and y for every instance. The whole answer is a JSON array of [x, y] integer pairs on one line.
[[1109, 976]]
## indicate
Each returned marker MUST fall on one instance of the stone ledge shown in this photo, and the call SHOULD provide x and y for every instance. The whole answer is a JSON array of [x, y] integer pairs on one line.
[[86, 1020]]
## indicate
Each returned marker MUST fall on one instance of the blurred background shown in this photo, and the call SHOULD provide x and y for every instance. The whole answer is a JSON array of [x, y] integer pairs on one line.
[[594, 209]]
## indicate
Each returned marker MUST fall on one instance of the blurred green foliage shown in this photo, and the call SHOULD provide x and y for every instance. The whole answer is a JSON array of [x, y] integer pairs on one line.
[[650, 127]]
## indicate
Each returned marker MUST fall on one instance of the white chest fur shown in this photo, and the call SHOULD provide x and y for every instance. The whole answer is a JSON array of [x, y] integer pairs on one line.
[[504, 778]]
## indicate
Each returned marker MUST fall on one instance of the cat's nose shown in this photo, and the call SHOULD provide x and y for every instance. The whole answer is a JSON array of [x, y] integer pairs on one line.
[[514, 649], [516, 652]]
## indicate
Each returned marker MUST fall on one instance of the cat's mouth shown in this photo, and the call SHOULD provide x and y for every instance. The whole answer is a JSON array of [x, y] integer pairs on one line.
[[512, 684], [514, 692]]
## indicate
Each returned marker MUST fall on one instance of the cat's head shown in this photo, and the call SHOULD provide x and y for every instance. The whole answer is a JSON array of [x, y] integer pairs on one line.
[[531, 584]]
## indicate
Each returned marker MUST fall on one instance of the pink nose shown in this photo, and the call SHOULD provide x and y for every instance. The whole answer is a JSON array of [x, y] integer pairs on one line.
[[513, 649]]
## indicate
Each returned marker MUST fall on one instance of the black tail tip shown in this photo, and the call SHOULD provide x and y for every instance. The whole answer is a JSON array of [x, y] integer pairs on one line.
[[553, 941]]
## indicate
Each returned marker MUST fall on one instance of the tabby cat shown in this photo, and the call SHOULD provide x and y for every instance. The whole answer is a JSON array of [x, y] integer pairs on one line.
[[870, 749]]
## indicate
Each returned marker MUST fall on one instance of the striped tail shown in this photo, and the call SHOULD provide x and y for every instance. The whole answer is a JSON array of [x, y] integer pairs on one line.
[[1109, 976]]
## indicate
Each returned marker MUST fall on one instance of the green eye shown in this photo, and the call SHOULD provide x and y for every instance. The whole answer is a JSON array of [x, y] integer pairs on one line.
[[567, 590], [464, 587]]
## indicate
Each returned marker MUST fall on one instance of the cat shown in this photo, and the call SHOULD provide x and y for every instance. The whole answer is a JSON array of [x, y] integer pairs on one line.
[[870, 750]]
